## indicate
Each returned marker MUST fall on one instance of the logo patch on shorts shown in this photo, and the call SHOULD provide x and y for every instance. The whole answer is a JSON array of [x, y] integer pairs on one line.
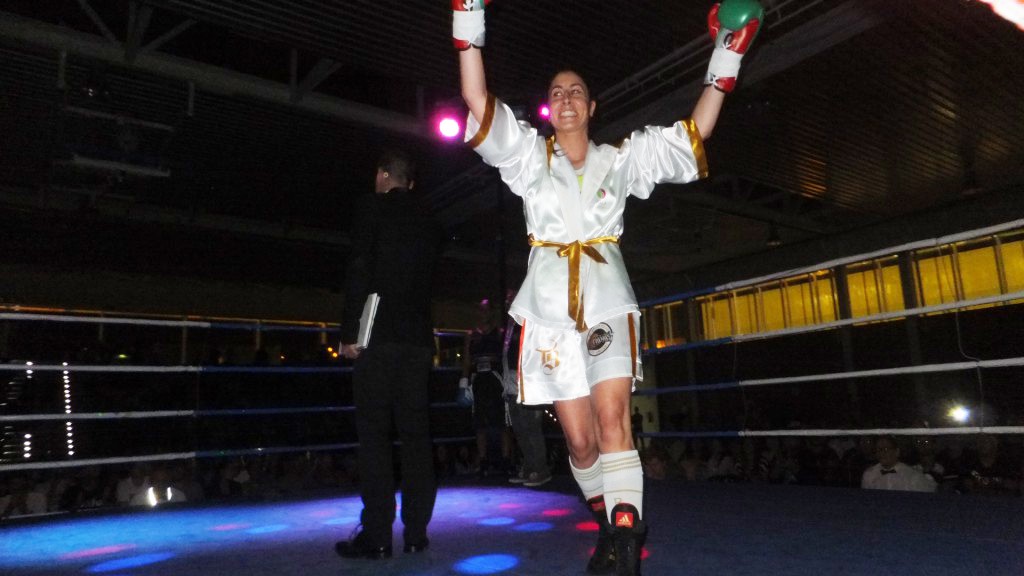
[[599, 339], [549, 358]]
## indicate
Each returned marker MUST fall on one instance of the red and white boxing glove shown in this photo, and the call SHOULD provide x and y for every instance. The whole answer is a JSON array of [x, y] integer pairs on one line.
[[468, 23], [733, 25]]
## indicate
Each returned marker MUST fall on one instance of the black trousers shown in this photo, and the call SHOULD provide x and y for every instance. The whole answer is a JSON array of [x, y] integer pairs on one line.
[[390, 382]]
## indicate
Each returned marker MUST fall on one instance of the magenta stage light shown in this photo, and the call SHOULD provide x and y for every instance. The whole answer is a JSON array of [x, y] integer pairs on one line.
[[545, 112], [449, 127]]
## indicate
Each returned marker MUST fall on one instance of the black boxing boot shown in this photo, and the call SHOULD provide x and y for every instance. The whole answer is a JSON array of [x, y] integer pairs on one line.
[[602, 561], [629, 535]]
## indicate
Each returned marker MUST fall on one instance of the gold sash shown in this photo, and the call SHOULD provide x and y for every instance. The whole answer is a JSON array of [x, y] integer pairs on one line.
[[573, 251]]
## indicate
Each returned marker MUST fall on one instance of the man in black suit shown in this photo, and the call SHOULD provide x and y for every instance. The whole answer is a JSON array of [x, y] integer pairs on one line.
[[394, 245]]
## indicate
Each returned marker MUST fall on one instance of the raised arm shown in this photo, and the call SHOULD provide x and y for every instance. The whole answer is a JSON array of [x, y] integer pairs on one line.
[[733, 25], [474, 84], [468, 37]]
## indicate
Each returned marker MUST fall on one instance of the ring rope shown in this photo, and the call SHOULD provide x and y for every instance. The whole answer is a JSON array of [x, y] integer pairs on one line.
[[925, 368], [201, 454], [193, 413], [841, 432]]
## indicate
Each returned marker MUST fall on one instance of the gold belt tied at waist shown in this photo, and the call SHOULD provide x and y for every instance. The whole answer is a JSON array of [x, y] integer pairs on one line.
[[574, 250]]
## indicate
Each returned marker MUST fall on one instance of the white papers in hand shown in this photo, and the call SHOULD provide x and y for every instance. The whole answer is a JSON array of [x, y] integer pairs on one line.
[[366, 320]]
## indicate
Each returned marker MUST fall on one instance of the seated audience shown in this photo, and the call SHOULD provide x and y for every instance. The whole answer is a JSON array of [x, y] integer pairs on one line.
[[892, 474]]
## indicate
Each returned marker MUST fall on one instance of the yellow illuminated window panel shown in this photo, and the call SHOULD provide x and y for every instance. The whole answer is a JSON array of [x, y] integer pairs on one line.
[[979, 276], [772, 313], [936, 276], [1013, 265], [745, 313], [892, 289]]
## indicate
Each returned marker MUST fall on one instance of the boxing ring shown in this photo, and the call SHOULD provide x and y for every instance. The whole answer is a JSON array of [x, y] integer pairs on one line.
[[485, 526]]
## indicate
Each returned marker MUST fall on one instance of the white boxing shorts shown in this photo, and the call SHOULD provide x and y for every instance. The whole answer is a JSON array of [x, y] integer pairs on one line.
[[565, 364]]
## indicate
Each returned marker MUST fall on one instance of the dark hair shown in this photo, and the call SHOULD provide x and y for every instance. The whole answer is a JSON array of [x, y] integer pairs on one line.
[[888, 438], [399, 164]]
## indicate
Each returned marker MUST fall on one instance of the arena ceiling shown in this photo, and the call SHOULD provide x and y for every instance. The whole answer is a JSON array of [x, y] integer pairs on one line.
[[186, 124]]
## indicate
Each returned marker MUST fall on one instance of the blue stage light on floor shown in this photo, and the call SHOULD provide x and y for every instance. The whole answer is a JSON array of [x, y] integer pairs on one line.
[[130, 562], [497, 521], [535, 527], [267, 529], [487, 564], [342, 520]]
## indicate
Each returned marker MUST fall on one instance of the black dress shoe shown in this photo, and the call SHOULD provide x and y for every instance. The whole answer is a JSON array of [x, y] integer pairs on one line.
[[416, 547], [361, 547]]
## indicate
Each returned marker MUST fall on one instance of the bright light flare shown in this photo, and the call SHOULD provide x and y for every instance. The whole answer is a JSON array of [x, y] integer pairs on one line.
[[959, 414], [449, 127], [1012, 10], [545, 111]]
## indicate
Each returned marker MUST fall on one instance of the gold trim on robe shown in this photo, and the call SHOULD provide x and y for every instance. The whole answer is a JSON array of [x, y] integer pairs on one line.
[[697, 143], [485, 124]]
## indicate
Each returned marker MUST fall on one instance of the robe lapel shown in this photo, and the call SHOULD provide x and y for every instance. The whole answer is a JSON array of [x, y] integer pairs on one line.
[[598, 165], [568, 191]]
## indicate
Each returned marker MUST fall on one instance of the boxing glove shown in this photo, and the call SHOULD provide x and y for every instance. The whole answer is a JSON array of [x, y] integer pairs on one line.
[[468, 23], [733, 25]]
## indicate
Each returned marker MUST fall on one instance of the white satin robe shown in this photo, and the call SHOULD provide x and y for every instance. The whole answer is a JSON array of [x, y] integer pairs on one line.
[[558, 211]]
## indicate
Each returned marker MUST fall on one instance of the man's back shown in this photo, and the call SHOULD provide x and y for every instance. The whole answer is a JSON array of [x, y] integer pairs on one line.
[[394, 249]]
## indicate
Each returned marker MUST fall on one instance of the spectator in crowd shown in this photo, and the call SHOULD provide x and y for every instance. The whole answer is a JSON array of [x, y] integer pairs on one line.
[[769, 463], [926, 459], [721, 465], [483, 375], [855, 461], [989, 472], [892, 474], [135, 483], [20, 499], [637, 424], [691, 462], [466, 462], [819, 464], [657, 463], [160, 490], [87, 489], [444, 464]]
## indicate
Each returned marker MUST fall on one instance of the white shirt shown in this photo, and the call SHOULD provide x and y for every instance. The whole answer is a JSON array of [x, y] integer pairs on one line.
[[35, 503], [127, 489], [901, 477]]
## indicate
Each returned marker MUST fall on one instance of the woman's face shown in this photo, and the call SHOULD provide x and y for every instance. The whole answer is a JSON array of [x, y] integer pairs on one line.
[[570, 103]]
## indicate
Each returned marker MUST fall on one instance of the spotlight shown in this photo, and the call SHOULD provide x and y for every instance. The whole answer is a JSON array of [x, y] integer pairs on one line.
[[544, 111], [449, 127], [959, 414]]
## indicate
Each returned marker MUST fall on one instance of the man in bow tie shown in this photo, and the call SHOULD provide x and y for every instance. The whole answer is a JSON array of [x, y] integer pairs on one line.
[[891, 474]]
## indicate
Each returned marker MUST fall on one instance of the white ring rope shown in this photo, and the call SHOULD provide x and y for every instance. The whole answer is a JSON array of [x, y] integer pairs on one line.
[[103, 320], [923, 369], [98, 415], [258, 326], [841, 432], [176, 369], [201, 454]]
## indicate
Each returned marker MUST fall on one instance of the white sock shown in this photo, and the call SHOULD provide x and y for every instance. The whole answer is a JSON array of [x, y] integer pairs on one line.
[[590, 480], [623, 480]]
